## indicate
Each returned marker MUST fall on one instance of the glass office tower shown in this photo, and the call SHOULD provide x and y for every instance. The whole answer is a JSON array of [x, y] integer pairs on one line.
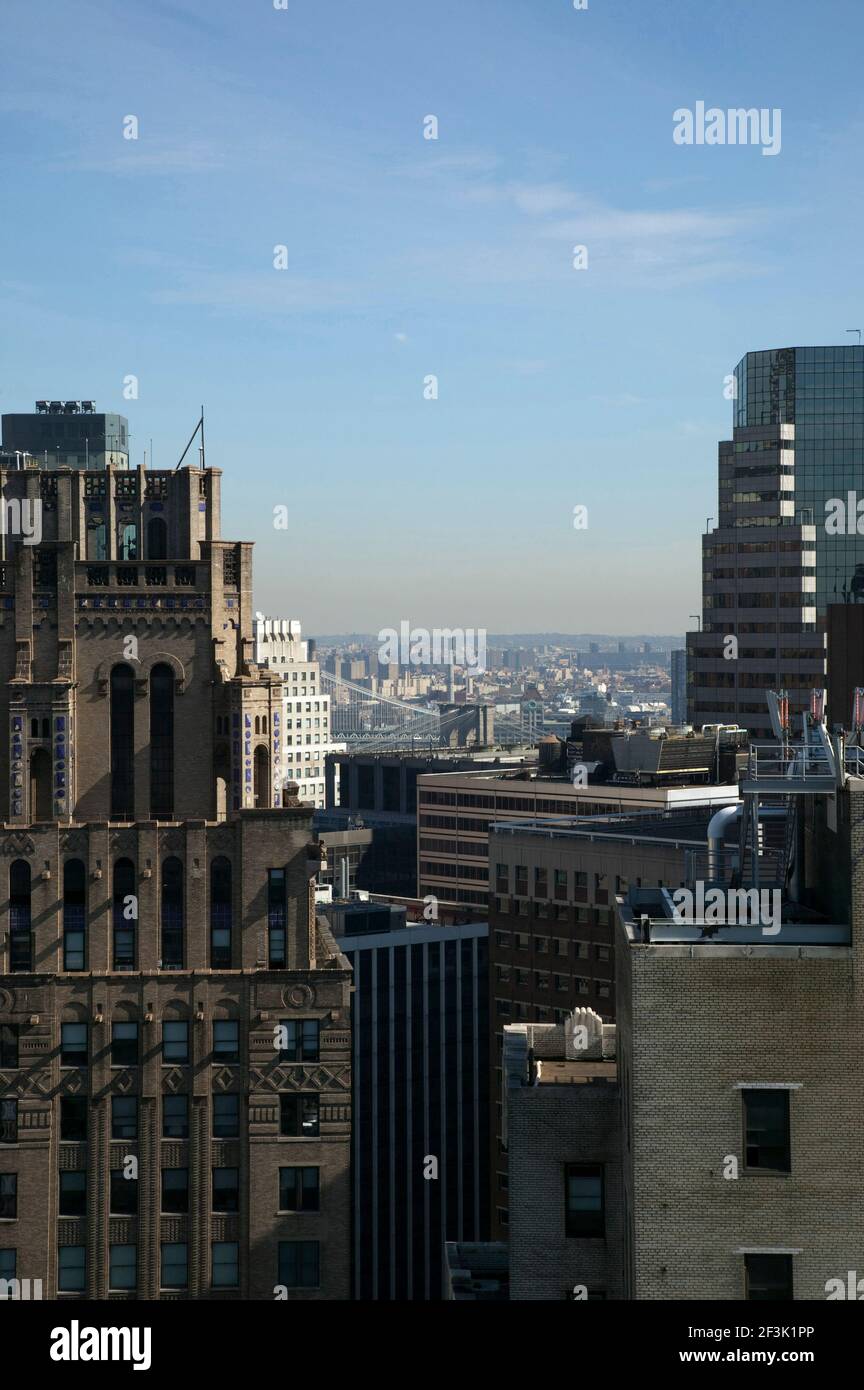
[[819, 390]]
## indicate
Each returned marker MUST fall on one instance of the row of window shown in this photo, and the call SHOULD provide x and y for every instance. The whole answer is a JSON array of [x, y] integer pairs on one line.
[[298, 1117], [299, 1191], [298, 1041], [125, 915], [298, 1265]]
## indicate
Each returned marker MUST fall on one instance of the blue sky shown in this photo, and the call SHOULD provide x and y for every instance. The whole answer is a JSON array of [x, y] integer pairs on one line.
[[409, 257]]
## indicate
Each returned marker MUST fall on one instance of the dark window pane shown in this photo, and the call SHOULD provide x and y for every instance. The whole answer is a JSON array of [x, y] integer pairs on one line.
[[123, 1193], [124, 1117], [769, 1278], [73, 1194], [175, 1189], [175, 1117], [584, 1207], [73, 1044], [298, 1115], [73, 1117], [226, 1117], [766, 1125], [298, 1264]]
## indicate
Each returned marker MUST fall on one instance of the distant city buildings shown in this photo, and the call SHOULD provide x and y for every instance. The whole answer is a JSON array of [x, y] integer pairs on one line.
[[307, 717]]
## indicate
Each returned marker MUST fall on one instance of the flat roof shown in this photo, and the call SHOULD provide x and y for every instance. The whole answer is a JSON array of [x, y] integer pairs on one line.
[[555, 1073]]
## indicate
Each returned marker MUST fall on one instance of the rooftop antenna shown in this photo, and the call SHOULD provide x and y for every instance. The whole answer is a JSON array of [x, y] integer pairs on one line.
[[855, 330], [199, 426]]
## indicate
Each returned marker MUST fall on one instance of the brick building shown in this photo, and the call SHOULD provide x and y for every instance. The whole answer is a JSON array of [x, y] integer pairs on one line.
[[174, 1023]]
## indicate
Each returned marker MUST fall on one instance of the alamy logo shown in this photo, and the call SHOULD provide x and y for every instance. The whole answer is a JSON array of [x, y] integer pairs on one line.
[[21, 517], [77, 1343], [852, 1288], [438, 646], [738, 126], [845, 518], [20, 1289], [729, 907]]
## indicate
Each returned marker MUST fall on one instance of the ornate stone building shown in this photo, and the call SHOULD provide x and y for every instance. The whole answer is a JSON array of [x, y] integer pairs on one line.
[[174, 1023]]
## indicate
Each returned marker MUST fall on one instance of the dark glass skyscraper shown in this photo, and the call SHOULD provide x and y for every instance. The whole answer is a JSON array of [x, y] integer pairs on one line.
[[787, 543], [819, 390]]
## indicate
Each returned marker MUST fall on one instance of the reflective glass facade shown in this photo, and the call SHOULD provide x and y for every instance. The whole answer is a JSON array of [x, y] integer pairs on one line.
[[821, 391]]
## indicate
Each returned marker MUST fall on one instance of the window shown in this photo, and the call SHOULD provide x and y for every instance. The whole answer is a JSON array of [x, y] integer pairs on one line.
[[276, 918], [74, 915], [766, 1130], [125, 914], [226, 1040], [298, 1264], [73, 1044], [123, 1194], [20, 935], [124, 1117], [172, 915], [157, 539], [298, 1115], [122, 1263], [560, 883], [584, 1213], [175, 1189], [71, 1268], [8, 1196], [302, 1039], [8, 1263], [9, 1045], [175, 1117], [220, 914], [174, 1265], [299, 1189], [122, 727], [226, 1264], [226, 1189], [8, 1122], [124, 1044], [175, 1042], [162, 742], [768, 1278], [226, 1117], [73, 1194], [73, 1118]]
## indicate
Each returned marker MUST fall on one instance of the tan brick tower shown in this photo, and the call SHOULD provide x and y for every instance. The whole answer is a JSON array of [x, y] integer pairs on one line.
[[174, 1024]]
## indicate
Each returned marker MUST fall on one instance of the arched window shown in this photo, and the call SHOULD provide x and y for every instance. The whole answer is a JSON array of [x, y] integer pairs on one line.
[[46, 728], [40, 784], [257, 724], [172, 915], [20, 934], [263, 723], [122, 743], [220, 914], [74, 915], [128, 539], [157, 539], [34, 728], [125, 913], [262, 777], [162, 742]]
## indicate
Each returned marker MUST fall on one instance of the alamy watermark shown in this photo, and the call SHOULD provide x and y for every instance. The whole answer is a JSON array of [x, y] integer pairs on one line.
[[737, 126], [729, 907], [22, 517], [437, 646]]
